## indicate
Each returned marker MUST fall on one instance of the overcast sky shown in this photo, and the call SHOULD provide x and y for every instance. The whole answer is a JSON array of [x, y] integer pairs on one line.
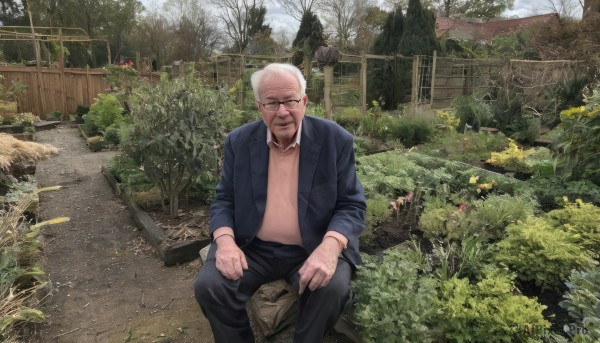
[[280, 21]]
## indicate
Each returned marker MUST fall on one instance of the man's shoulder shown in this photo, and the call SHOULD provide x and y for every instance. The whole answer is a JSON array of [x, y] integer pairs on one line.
[[248, 131]]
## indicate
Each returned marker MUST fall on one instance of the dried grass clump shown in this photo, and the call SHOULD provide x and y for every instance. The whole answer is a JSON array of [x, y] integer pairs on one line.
[[13, 151], [19, 278]]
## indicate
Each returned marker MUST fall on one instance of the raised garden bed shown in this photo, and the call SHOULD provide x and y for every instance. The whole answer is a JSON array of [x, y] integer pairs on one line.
[[95, 143], [171, 251]]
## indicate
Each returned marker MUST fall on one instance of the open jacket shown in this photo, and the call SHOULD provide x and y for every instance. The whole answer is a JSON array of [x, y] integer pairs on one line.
[[330, 197]]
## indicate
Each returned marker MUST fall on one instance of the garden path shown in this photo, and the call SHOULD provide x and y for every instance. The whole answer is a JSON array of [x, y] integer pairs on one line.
[[106, 284]]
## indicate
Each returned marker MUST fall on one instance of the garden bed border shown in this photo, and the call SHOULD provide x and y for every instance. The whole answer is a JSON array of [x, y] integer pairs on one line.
[[172, 252]]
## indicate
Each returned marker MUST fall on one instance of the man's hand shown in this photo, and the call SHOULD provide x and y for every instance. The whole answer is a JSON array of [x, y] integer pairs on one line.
[[320, 266], [230, 259]]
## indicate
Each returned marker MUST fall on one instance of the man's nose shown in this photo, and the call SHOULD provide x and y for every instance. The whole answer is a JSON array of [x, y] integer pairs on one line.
[[282, 110]]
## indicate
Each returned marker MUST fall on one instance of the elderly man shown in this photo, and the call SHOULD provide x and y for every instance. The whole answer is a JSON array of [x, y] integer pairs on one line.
[[288, 206]]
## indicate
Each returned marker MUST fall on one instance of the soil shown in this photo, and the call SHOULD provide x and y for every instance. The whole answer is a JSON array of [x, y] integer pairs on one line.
[[105, 283]]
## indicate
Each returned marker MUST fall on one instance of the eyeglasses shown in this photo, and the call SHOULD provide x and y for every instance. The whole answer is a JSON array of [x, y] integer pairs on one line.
[[274, 105]]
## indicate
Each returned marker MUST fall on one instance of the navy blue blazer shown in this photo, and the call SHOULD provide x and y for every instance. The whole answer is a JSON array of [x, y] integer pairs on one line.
[[330, 197]]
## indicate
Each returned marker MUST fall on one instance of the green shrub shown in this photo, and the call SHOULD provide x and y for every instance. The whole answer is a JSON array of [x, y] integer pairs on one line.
[[472, 147], [576, 147], [538, 252], [129, 173], [581, 219], [485, 310], [81, 110], [550, 191], [438, 219], [394, 299], [387, 174], [413, 130], [582, 301], [106, 111], [349, 118], [490, 216], [111, 135], [514, 158], [56, 115], [472, 112], [527, 128], [25, 119]]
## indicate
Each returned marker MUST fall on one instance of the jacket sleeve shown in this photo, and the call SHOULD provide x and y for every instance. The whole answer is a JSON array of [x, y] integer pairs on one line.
[[349, 214]]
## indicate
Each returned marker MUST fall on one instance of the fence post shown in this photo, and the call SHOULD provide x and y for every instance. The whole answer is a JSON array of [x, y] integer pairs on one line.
[[433, 66], [415, 80], [328, 76], [363, 83], [242, 69], [61, 63]]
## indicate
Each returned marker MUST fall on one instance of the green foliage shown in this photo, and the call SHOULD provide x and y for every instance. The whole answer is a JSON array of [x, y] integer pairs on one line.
[[175, 133], [394, 299], [418, 36], [527, 128], [414, 130], [439, 219], [471, 147], [387, 174], [122, 80], [386, 43], [111, 135], [25, 119], [81, 110], [550, 191], [488, 308], [472, 112], [538, 252], [56, 115], [576, 147], [310, 36], [581, 219], [516, 46], [106, 111], [349, 118], [12, 91], [378, 211], [490, 216], [515, 158], [582, 301], [129, 173]]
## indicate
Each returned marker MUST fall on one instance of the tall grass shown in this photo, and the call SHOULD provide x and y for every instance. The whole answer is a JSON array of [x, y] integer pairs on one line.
[[19, 272]]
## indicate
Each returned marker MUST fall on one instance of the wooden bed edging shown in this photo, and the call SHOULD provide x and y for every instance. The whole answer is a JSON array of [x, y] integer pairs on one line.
[[172, 252]]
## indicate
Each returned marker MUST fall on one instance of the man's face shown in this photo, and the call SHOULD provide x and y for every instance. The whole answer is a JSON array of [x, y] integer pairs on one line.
[[282, 122]]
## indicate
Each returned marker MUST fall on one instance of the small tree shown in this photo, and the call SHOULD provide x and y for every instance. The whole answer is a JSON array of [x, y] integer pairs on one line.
[[383, 86], [418, 37], [175, 133], [309, 37]]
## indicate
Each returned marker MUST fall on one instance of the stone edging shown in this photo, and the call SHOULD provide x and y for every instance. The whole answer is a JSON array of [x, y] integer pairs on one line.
[[172, 252]]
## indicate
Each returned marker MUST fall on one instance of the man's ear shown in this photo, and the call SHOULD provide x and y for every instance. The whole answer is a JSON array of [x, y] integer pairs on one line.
[[257, 105], [305, 99]]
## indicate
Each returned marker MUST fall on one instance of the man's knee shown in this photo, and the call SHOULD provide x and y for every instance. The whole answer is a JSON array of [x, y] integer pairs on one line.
[[207, 287]]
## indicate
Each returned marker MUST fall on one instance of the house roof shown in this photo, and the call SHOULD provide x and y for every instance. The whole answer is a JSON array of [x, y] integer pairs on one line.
[[486, 31]]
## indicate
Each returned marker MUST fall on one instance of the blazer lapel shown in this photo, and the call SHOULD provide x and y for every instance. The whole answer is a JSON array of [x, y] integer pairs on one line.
[[259, 167], [309, 157]]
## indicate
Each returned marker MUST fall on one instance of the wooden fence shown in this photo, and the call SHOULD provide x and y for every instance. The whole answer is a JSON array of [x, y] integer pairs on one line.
[[52, 89], [435, 81]]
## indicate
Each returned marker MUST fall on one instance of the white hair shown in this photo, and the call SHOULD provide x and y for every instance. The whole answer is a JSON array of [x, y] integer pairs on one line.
[[276, 69]]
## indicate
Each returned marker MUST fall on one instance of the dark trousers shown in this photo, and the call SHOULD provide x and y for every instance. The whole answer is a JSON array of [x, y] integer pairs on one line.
[[223, 301]]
